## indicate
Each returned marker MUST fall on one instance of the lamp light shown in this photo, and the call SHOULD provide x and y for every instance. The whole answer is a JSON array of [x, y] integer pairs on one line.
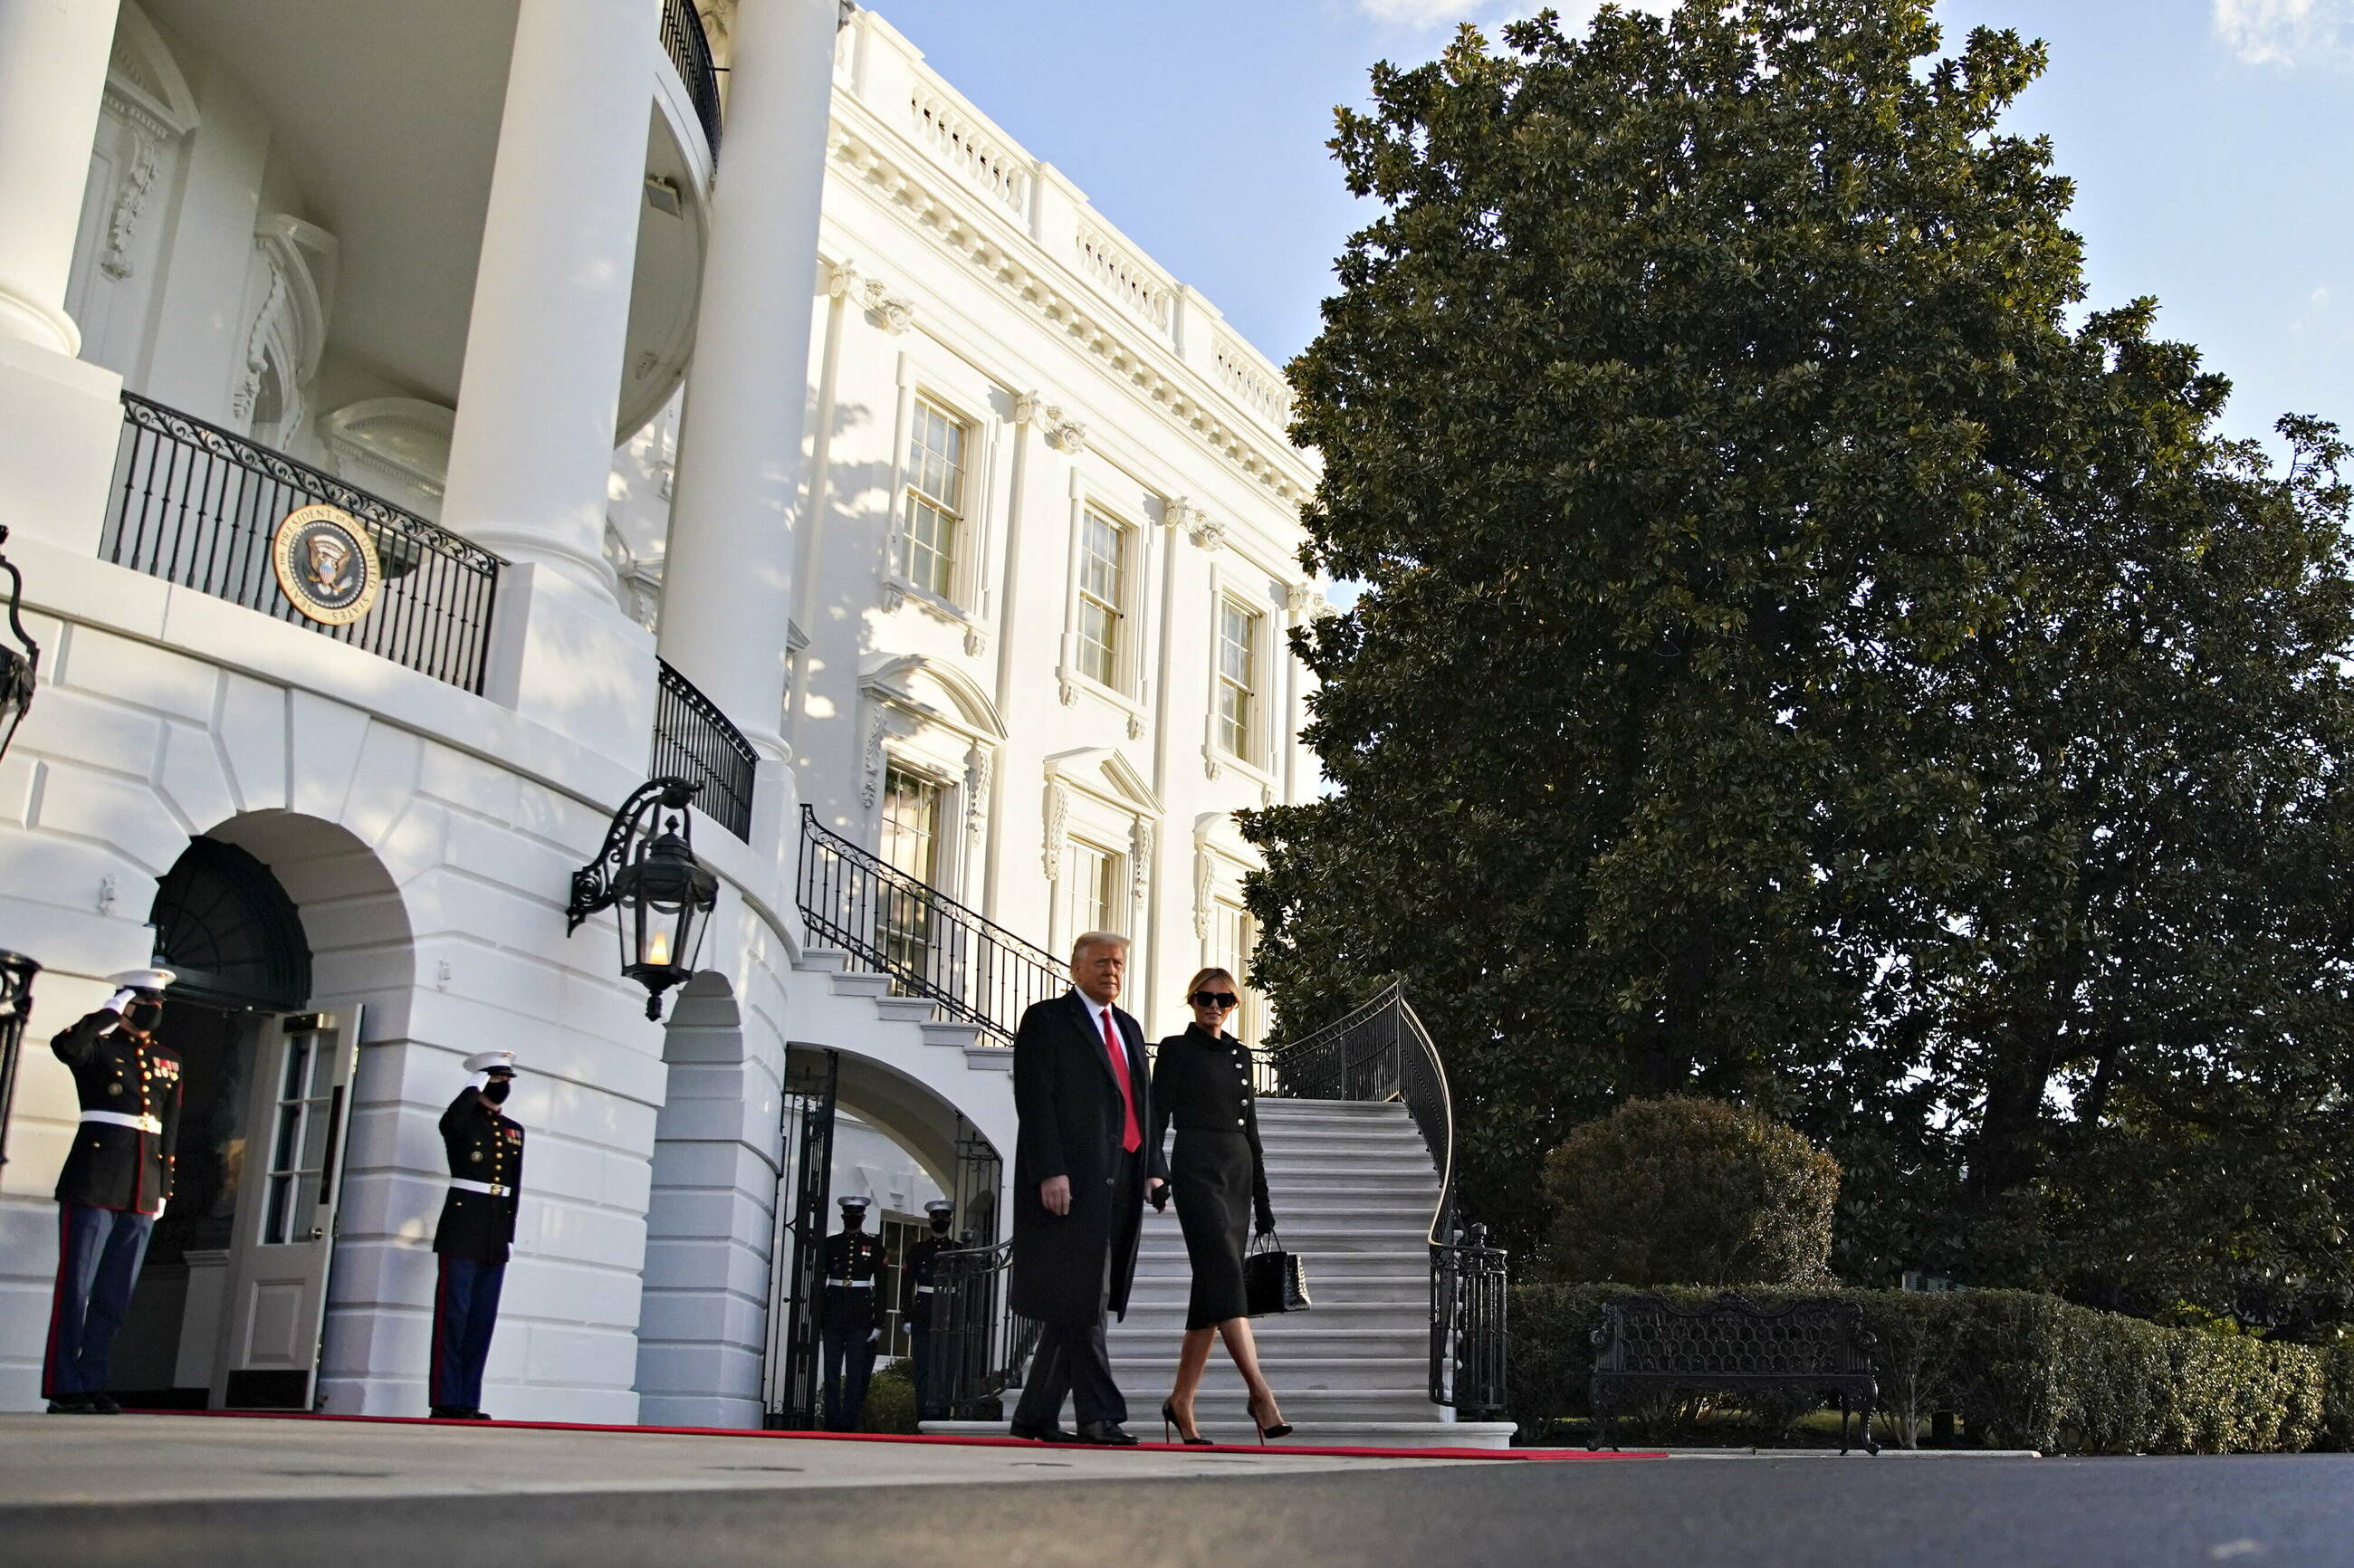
[[647, 872]]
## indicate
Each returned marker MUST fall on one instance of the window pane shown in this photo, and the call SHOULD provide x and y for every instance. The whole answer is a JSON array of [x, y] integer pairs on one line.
[[1103, 547], [911, 827], [1091, 875], [1237, 665], [936, 479]]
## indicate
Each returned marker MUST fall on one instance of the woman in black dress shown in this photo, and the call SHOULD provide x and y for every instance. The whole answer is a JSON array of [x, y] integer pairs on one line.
[[1201, 1080]]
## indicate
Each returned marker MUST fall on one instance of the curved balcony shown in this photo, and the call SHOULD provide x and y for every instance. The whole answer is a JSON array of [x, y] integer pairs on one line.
[[690, 53]]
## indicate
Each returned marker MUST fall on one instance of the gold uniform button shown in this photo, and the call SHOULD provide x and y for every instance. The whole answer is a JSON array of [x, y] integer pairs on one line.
[[114, 1088]]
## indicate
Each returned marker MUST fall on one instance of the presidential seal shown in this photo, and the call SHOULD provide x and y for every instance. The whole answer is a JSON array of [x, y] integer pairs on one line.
[[326, 564]]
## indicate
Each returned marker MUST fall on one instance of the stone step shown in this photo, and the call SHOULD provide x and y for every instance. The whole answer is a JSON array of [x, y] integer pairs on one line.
[[1281, 1340], [823, 960], [1315, 1236], [988, 1059], [1157, 1258], [858, 982], [1314, 1163], [1339, 1135], [958, 1035], [1395, 1374], [905, 1009], [1164, 1313]]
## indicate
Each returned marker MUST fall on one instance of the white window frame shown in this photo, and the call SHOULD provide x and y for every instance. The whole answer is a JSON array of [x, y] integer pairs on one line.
[[1254, 592], [953, 511], [963, 394], [1253, 749]]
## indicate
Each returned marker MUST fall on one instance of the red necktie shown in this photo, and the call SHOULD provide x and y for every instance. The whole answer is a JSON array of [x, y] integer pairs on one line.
[[1131, 1136]]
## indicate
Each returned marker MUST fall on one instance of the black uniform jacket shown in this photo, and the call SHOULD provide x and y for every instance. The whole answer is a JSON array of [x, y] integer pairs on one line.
[[483, 1146], [852, 1256], [919, 1280], [112, 1165], [1202, 1083], [1067, 1268]]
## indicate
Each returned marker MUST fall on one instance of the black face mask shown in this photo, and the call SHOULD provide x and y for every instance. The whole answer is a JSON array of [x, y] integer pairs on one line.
[[145, 1016], [495, 1091], [941, 1226]]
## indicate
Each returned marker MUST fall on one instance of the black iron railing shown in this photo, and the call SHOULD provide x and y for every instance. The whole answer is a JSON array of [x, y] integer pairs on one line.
[[977, 1350], [690, 50], [695, 741], [931, 946], [1382, 1052], [198, 505]]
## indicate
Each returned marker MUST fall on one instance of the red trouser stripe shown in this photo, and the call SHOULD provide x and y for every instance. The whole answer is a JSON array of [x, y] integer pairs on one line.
[[434, 1390], [57, 1304]]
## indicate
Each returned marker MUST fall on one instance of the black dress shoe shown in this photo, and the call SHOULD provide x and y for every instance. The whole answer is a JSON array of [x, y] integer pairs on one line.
[[1105, 1434], [1023, 1430], [103, 1404], [71, 1404], [450, 1413]]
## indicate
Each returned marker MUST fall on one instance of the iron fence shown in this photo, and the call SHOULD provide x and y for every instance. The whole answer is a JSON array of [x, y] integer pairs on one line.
[[198, 505], [1382, 1052], [690, 50], [894, 924], [695, 741], [977, 1351]]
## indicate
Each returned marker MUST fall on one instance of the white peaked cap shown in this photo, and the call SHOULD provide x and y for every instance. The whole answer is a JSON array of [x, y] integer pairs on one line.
[[491, 1062], [142, 980]]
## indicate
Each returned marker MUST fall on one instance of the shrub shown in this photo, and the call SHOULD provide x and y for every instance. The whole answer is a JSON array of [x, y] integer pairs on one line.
[[2023, 1370], [1691, 1191], [890, 1398]]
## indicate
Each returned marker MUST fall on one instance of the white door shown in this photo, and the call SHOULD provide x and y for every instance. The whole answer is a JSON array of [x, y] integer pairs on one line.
[[285, 1234]]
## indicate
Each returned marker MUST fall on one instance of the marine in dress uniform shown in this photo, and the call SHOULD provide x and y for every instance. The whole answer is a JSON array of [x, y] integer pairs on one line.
[[919, 1286], [115, 1182], [478, 1223], [849, 1327]]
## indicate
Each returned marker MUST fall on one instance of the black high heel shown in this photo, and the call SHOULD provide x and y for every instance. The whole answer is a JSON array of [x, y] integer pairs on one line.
[[1266, 1434], [1168, 1419]]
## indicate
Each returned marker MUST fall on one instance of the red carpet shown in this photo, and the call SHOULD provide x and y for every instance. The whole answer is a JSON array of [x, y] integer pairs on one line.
[[1539, 1454]]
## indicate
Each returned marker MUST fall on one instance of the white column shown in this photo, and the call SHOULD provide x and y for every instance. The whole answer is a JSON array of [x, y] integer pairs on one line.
[[727, 569], [53, 57], [538, 394]]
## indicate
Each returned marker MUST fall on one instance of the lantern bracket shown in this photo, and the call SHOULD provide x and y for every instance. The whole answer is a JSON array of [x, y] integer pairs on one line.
[[592, 885]]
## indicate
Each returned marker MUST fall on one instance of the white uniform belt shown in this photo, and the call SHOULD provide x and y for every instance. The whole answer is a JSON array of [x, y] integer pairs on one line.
[[492, 1188], [153, 1124], [924, 1289], [853, 1284]]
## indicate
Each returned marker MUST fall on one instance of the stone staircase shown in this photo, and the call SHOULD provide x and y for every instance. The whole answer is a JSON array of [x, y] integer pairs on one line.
[[1354, 1188]]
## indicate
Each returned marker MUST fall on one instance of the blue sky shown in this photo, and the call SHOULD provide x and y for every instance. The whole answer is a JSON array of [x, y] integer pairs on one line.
[[2213, 143]]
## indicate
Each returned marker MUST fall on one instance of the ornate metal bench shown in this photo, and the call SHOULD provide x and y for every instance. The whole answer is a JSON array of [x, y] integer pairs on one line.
[[1730, 1345]]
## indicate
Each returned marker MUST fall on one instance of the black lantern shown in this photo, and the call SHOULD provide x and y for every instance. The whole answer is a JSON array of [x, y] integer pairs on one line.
[[647, 872], [16, 972], [17, 664]]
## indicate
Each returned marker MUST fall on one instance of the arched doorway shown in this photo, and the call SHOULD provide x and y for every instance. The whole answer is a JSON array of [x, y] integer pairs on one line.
[[229, 1307]]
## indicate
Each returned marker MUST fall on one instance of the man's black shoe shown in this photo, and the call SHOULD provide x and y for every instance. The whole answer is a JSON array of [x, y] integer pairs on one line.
[[1023, 1430], [452, 1413], [1105, 1434], [103, 1404], [71, 1404], [477, 1413]]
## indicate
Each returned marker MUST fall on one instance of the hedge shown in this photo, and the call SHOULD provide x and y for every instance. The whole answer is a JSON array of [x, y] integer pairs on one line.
[[2023, 1370]]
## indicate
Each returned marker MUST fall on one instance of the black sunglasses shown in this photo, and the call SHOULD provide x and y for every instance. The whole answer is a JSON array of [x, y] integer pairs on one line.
[[1214, 999]]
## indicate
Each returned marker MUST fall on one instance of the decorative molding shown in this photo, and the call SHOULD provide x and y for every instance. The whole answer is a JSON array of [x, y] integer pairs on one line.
[[1135, 725], [138, 178], [1179, 511], [1140, 858], [976, 790], [1059, 822], [872, 789], [289, 329], [1067, 690], [109, 890], [1125, 276], [1202, 892], [1206, 534], [1028, 405], [1300, 598], [893, 312], [1178, 390], [894, 596], [1211, 764], [976, 638], [985, 163]]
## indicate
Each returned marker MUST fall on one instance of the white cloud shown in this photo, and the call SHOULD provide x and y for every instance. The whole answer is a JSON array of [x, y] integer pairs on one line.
[[1420, 13], [2287, 32]]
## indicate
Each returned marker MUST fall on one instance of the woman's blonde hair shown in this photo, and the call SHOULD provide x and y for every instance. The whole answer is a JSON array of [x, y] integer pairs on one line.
[[1213, 971]]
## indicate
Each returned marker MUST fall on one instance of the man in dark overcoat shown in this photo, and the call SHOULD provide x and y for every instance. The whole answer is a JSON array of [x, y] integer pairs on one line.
[[1082, 1171]]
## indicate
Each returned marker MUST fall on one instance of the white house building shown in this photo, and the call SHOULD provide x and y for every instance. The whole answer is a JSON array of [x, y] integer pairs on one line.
[[832, 449]]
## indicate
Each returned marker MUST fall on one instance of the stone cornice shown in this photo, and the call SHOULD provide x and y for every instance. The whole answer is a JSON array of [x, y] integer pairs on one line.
[[892, 170]]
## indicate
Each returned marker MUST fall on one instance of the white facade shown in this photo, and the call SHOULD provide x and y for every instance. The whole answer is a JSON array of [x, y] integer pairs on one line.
[[1010, 567]]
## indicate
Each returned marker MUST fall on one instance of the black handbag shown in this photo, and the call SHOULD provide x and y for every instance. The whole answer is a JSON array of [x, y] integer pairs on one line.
[[1274, 1281]]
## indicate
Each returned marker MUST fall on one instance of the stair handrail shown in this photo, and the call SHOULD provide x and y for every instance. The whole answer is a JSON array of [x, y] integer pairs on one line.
[[1381, 1050], [974, 969]]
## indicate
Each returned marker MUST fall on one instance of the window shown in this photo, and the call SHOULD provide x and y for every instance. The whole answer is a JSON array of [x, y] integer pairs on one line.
[[911, 836], [1103, 569], [1089, 878], [936, 480], [1231, 939], [1237, 669]]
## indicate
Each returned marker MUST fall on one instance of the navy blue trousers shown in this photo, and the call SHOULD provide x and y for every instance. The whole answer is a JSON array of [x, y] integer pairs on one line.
[[849, 1363], [465, 1311], [98, 1254]]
